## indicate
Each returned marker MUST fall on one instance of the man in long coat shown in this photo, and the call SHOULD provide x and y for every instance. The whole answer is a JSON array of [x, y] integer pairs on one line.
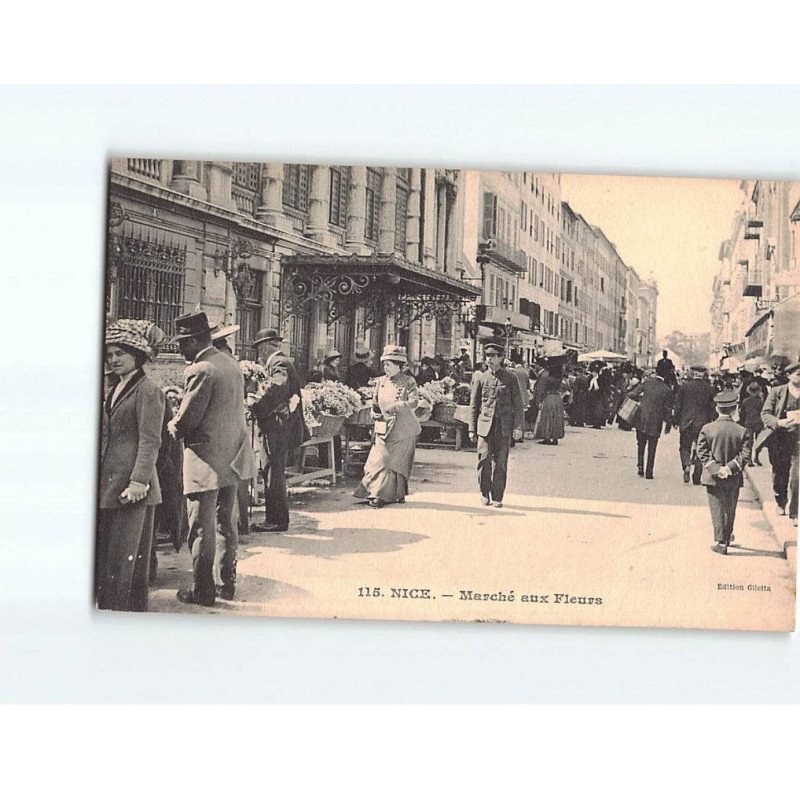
[[780, 415], [496, 416], [279, 413], [723, 447], [694, 407], [657, 400], [217, 456]]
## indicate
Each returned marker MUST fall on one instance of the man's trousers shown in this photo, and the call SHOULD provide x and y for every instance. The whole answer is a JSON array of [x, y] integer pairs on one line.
[[688, 441], [650, 443], [207, 511], [722, 500], [493, 463], [275, 493]]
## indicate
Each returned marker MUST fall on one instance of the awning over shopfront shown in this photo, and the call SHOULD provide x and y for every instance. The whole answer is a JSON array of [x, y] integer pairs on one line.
[[786, 333], [381, 285], [758, 338]]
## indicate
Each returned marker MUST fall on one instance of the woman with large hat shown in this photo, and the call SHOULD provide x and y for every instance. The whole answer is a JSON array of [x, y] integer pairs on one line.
[[391, 458], [133, 415]]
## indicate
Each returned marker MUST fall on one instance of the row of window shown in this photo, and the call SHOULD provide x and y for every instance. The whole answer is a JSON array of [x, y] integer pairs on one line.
[[502, 292]]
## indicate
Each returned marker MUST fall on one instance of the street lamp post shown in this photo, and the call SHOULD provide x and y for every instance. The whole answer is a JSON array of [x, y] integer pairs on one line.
[[508, 329]]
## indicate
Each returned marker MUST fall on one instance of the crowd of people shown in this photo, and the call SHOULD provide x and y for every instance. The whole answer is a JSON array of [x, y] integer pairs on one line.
[[180, 461]]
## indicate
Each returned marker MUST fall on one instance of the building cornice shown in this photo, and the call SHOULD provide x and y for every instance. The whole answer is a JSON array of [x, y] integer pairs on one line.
[[202, 209]]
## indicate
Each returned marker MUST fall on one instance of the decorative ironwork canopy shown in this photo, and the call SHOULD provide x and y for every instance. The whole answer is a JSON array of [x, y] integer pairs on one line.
[[381, 285]]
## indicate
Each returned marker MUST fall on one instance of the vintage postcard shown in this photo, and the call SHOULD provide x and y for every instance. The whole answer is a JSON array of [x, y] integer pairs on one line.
[[405, 393]]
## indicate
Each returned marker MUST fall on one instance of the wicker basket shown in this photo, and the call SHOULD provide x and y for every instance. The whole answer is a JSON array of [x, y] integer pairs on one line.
[[444, 412], [328, 426], [361, 417]]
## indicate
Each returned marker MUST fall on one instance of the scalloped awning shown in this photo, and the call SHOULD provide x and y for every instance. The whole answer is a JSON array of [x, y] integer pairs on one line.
[[413, 278]]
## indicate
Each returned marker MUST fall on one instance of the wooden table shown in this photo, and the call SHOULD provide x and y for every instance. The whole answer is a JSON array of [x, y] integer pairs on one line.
[[455, 426], [302, 473]]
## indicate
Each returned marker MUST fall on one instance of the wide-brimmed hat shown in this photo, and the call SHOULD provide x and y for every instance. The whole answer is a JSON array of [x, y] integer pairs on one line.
[[220, 332], [140, 334], [189, 325], [699, 369], [394, 352], [332, 354], [267, 335]]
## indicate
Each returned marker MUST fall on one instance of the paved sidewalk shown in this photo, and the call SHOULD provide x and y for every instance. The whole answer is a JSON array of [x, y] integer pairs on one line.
[[760, 479]]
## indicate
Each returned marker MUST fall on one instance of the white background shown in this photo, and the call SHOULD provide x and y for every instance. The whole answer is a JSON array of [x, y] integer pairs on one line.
[[54, 143]]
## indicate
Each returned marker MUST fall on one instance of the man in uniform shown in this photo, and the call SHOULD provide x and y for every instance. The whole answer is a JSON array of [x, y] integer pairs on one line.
[[694, 407], [279, 412], [496, 416], [723, 447], [217, 456]]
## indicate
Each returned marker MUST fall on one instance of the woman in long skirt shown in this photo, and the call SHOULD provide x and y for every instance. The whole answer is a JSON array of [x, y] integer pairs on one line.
[[391, 458], [550, 422]]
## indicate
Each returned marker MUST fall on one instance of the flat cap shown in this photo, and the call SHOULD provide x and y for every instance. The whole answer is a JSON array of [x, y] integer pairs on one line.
[[726, 399]]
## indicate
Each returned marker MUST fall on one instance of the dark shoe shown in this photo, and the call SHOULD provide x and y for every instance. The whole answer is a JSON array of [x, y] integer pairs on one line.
[[649, 476], [272, 527], [258, 527], [781, 511], [189, 597], [686, 474], [376, 502], [485, 500], [497, 503], [401, 500], [720, 548], [640, 471], [226, 592]]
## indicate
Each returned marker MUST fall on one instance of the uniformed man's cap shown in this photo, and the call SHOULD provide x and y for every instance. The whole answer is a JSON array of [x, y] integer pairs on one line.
[[698, 369], [793, 367], [726, 399], [491, 347]]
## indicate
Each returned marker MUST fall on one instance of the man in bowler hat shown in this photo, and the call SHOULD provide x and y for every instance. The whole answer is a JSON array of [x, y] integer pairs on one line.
[[722, 447], [496, 416], [279, 413], [217, 456]]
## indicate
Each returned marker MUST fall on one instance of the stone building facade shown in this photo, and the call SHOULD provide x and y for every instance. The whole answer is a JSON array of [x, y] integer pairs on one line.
[[339, 257], [333, 256], [754, 308]]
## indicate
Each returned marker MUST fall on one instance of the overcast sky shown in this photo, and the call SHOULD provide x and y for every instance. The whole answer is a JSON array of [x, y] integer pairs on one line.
[[670, 228]]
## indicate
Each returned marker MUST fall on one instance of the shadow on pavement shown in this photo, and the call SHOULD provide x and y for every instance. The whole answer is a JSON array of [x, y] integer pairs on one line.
[[331, 543], [738, 550], [570, 511]]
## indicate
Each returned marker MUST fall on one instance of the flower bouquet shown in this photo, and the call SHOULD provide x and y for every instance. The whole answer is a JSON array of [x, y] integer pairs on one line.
[[435, 392], [327, 404]]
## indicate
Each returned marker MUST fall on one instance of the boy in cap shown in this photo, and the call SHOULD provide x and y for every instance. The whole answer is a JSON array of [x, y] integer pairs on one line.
[[496, 416], [723, 447]]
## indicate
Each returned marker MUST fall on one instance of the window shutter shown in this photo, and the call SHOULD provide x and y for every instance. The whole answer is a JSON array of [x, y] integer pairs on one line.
[[489, 215]]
